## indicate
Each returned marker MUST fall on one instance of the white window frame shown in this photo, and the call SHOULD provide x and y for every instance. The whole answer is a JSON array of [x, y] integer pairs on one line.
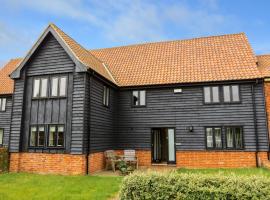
[[3, 104]]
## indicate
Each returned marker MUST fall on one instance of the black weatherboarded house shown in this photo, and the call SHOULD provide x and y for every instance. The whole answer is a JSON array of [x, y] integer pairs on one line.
[[187, 103]]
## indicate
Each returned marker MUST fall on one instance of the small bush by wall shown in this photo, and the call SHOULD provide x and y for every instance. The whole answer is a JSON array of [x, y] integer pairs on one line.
[[166, 186], [3, 160]]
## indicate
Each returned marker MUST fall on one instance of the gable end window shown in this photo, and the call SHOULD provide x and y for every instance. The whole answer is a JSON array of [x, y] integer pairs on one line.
[[234, 138], [106, 96], [211, 94], [3, 102], [37, 136], [40, 87], [213, 138], [56, 136], [139, 98], [1, 136], [231, 93], [58, 86]]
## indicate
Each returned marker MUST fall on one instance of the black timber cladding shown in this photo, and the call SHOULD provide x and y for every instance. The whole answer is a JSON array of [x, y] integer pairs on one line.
[[5, 117], [167, 109]]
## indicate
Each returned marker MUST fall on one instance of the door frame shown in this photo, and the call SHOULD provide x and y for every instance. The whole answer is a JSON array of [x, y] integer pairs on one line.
[[152, 144]]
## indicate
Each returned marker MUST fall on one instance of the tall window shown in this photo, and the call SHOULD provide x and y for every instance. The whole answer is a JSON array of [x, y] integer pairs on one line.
[[231, 93], [56, 136], [106, 96], [211, 94], [234, 138], [58, 86], [1, 136], [213, 138], [138, 98], [3, 102], [40, 87], [37, 136]]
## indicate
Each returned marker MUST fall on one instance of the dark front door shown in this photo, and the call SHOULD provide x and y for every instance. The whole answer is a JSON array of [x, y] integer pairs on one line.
[[163, 145]]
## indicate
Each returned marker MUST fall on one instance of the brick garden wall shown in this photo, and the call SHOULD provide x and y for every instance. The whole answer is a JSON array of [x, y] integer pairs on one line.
[[43, 163], [67, 164], [217, 159]]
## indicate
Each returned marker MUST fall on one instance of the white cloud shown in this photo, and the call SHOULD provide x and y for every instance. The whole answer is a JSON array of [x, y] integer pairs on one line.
[[133, 21]]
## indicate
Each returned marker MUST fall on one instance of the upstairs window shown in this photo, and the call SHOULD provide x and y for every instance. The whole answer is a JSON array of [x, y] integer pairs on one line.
[[211, 94], [234, 138], [40, 87], [56, 136], [106, 96], [138, 98], [213, 138], [231, 93], [37, 136], [1, 136], [3, 102], [58, 86]]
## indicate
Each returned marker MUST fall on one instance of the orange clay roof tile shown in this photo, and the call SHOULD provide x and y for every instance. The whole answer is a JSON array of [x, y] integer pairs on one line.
[[216, 58], [83, 55], [264, 64], [6, 83]]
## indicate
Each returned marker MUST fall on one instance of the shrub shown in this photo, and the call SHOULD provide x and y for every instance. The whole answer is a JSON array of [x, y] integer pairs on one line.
[[3, 160], [177, 186]]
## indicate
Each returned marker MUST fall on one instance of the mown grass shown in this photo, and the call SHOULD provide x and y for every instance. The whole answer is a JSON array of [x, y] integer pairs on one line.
[[32, 186], [241, 172]]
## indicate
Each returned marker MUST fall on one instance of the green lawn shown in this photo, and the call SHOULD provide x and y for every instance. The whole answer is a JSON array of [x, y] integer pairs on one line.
[[241, 172], [31, 186]]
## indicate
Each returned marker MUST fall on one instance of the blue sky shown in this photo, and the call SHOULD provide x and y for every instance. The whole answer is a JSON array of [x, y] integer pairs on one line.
[[107, 23]]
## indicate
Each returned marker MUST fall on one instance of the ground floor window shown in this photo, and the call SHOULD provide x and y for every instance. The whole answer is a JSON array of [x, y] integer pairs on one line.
[[37, 136], [234, 138], [1, 136], [54, 134], [213, 138]]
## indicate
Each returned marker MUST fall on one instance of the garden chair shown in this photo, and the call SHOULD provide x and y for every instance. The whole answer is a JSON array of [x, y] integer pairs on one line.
[[111, 159], [130, 157]]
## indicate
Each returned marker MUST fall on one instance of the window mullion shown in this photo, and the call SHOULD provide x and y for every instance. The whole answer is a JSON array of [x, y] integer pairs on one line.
[[214, 138]]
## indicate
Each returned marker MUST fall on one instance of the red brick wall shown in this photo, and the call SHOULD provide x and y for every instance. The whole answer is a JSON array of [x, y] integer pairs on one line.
[[67, 164], [96, 162], [217, 159], [44, 163]]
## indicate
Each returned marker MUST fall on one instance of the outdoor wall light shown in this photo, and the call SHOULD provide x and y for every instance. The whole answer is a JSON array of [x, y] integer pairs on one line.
[[190, 128]]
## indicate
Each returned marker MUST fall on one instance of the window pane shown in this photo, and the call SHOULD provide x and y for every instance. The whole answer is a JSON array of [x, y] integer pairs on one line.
[[215, 92], [60, 136], [1, 136], [54, 87], [63, 86], [238, 138], [44, 85], [104, 94], [33, 134], [41, 136], [52, 134], [226, 93], [218, 139], [142, 98], [36, 88], [235, 93], [3, 104], [209, 137], [107, 96], [135, 96], [207, 97], [229, 137]]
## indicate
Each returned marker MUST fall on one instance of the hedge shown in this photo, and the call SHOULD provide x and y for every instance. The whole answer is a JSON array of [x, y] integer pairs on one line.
[[3, 160], [165, 186]]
